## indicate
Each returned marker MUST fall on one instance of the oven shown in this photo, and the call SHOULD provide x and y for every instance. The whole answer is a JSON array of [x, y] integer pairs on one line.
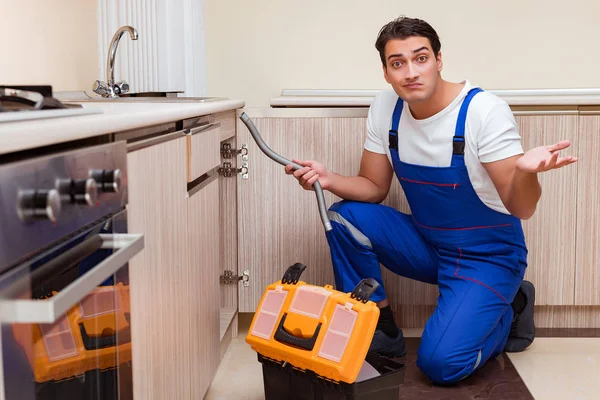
[[65, 313]]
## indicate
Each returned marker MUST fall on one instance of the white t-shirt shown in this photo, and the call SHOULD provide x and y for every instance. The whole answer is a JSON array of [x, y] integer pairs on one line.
[[491, 134]]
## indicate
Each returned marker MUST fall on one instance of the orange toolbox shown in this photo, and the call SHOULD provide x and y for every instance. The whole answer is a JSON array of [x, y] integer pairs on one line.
[[95, 334], [315, 328]]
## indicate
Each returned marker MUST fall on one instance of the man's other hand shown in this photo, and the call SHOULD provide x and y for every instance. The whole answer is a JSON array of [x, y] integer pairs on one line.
[[545, 158]]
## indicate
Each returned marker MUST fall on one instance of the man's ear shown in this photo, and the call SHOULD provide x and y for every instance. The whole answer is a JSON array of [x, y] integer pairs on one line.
[[439, 61], [385, 75]]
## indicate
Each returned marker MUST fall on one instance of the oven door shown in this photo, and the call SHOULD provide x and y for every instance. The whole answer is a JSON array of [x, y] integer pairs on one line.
[[66, 320]]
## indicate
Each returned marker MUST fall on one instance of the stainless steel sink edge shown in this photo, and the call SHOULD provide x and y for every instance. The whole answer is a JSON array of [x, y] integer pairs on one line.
[[83, 97]]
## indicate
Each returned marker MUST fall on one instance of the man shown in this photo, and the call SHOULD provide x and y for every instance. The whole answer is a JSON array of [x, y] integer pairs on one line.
[[457, 153]]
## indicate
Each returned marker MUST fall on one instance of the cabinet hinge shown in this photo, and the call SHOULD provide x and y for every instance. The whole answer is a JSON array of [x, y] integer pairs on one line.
[[228, 170], [228, 278], [228, 152]]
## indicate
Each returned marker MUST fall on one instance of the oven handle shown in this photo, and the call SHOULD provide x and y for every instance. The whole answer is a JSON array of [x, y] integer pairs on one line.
[[51, 309]]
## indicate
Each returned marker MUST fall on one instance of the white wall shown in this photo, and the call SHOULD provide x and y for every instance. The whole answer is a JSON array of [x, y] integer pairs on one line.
[[256, 48], [49, 43]]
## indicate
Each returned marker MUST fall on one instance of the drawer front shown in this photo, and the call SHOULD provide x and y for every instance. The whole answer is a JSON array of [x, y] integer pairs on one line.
[[227, 120], [203, 150]]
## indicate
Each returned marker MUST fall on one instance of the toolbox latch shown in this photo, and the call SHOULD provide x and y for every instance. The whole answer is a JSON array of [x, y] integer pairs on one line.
[[364, 290], [293, 273]]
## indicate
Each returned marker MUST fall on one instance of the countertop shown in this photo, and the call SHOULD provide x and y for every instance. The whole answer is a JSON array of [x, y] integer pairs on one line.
[[115, 117], [364, 98]]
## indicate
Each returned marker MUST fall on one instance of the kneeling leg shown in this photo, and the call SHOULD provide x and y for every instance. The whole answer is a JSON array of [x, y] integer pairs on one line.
[[366, 235], [472, 320]]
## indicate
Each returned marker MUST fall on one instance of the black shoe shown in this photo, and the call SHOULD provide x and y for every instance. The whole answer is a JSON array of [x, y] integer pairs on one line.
[[387, 346], [522, 329]]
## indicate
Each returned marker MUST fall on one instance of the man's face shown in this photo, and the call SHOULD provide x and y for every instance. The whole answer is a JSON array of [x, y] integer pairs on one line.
[[411, 68]]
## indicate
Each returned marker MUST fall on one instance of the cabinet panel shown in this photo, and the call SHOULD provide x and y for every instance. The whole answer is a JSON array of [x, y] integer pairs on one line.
[[227, 121], [203, 286], [159, 279], [203, 150], [587, 277], [550, 233]]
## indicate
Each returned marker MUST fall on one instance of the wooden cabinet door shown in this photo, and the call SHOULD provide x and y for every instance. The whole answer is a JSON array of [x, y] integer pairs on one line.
[[587, 276], [203, 284], [160, 297], [550, 233]]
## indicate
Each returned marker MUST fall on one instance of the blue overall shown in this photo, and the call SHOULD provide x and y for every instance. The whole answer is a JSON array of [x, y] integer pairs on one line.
[[476, 255]]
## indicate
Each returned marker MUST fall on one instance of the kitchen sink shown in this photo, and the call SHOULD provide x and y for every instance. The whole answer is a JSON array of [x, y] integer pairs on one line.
[[81, 97]]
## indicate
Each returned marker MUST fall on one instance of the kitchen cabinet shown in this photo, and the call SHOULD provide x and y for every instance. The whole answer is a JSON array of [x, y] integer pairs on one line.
[[550, 233], [184, 317], [279, 223], [219, 147], [587, 274], [160, 292]]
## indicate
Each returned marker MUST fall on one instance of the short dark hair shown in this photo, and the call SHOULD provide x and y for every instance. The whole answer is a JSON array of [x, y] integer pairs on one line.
[[403, 28]]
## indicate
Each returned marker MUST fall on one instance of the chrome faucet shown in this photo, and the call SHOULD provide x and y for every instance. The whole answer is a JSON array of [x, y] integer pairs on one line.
[[110, 88]]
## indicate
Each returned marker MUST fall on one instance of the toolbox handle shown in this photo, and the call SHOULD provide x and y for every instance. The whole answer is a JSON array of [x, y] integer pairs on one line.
[[292, 274], [285, 337], [97, 343], [364, 290]]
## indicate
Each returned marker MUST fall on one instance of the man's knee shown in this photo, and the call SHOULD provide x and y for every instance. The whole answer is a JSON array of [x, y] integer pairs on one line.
[[344, 214], [345, 208], [355, 212], [443, 365]]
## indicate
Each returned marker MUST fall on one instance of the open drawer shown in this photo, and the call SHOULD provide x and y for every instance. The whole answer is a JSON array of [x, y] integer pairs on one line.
[[203, 150]]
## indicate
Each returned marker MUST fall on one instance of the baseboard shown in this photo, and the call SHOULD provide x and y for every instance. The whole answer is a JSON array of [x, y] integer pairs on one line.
[[545, 316]]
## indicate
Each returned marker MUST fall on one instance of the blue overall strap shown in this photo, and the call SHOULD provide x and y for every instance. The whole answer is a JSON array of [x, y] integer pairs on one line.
[[458, 144], [395, 124]]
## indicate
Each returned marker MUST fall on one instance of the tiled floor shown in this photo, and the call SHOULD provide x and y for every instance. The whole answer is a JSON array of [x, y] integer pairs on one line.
[[497, 380], [552, 368], [561, 368]]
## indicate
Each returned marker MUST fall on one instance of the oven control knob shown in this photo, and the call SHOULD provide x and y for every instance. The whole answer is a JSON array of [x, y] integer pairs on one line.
[[108, 180], [38, 204], [80, 191]]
